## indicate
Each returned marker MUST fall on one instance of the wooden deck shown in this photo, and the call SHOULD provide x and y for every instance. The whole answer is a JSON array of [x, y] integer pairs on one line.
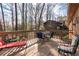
[[45, 49]]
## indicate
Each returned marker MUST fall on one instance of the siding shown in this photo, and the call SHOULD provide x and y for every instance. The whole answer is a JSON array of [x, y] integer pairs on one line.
[[70, 30], [74, 25]]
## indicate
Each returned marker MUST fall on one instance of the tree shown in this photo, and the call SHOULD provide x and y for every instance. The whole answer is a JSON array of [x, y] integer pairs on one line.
[[2, 15], [1, 29], [16, 18], [26, 16], [23, 16], [41, 15], [31, 17], [12, 16], [50, 11], [36, 13], [47, 12]]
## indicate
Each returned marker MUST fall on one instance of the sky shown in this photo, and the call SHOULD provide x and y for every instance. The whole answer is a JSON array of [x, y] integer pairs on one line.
[[61, 10]]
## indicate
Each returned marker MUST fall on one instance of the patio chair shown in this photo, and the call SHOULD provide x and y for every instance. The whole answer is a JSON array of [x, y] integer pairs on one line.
[[70, 50]]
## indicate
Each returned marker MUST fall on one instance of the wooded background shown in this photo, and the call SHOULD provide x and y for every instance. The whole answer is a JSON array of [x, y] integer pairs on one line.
[[29, 16]]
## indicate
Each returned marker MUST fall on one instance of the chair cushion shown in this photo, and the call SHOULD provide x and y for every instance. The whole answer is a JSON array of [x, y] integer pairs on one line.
[[65, 49], [74, 40]]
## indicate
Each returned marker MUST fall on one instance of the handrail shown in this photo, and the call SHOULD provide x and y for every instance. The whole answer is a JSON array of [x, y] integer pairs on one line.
[[2, 32], [60, 32]]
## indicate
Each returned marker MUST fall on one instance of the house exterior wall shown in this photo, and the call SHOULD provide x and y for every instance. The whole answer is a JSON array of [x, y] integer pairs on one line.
[[74, 25], [70, 30]]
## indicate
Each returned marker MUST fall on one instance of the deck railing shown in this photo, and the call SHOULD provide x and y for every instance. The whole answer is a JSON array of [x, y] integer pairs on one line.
[[29, 35]]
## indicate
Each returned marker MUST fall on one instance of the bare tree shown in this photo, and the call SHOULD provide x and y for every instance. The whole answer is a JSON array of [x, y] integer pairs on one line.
[[2, 15], [36, 13], [41, 16], [47, 12], [12, 16], [50, 13], [23, 16], [48, 16], [16, 18], [26, 16], [31, 15], [1, 29]]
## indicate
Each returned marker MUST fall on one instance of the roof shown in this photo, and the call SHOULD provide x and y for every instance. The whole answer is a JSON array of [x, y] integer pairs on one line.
[[51, 24]]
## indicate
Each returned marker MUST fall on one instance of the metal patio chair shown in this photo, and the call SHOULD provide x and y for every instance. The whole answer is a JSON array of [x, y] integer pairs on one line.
[[69, 50]]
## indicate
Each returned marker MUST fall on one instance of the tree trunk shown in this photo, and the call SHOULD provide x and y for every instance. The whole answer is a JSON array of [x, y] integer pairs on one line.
[[16, 19], [47, 13], [31, 17], [2, 16], [23, 16], [12, 18], [26, 17], [36, 18], [1, 29], [36, 13], [41, 16]]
